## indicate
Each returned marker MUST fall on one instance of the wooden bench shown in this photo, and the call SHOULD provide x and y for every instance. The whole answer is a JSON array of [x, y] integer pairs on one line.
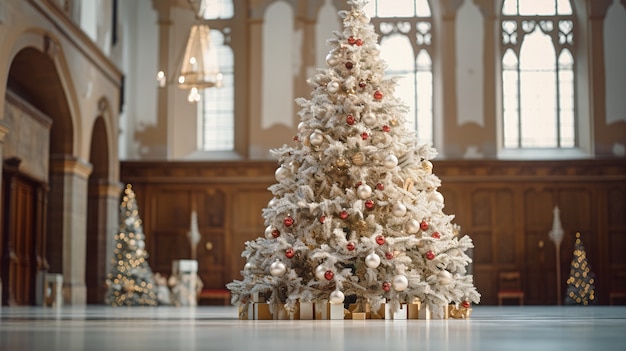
[[214, 294]]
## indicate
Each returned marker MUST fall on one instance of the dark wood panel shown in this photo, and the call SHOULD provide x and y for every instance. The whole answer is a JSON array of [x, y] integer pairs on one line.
[[504, 206]]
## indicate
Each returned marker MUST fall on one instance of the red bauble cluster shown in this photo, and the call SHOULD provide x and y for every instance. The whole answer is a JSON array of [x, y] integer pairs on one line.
[[378, 95], [386, 286], [350, 119], [349, 65], [389, 255], [343, 214], [465, 304], [322, 219], [289, 253], [424, 225], [276, 233], [430, 255], [329, 275], [369, 204], [354, 41], [288, 221], [386, 128], [362, 84], [380, 240], [380, 186], [350, 246], [436, 235], [364, 135]]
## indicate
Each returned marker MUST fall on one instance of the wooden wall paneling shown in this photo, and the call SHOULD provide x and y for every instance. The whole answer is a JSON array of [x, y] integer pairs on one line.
[[504, 226], [211, 203], [615, 228], [248, 204]]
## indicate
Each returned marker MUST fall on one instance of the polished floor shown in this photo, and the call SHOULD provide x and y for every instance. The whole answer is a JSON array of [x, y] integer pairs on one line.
[[93, 328]]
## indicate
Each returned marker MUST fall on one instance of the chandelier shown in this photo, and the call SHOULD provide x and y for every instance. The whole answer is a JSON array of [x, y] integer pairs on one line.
[[199, 67]]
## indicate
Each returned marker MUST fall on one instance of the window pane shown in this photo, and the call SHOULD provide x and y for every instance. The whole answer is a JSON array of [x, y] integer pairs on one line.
[[566, 99], [396, 8], [217, 104], [510, 97], [538, 91], [509, 7], [214, 9], [537, 7], [564, 7]]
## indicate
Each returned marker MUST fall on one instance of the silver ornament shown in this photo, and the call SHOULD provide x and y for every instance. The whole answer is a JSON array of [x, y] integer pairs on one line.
[[336, 297], [316, 138], [301, 126], [391, 161], [399, 209], [319, 272], [248, 267], [364, 191], [333, 87], [369, 118], [277, 269], [400, 283], [412, 226], [372, 260], [268, 232], [332, 59], [444, 277], [282, 173]]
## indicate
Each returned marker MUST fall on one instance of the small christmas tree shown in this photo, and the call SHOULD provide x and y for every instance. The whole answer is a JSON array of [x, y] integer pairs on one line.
[[356, 211], [580, 284], [130, 281]]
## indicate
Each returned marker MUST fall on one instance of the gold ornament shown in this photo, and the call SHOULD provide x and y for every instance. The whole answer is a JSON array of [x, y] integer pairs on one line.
[[427, 166], [358, 158], [393, 122], [340, 162]]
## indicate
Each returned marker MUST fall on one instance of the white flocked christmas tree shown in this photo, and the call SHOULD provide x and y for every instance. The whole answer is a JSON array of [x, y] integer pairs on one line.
[[355, 210]]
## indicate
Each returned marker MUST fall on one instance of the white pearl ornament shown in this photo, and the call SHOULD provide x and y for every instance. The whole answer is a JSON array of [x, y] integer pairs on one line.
[[398, 209], [444, 277], [400, 283], [336, 297], [316, 138], [333, 87], [369, 118], [412, 226], [282, 173], [364, 191], [319, 272], [277, 269], [268, 232], [390, 161], [372, 260], [332, 59], [436, 196]]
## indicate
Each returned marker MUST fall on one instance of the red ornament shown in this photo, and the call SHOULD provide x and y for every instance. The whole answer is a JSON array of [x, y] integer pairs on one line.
[[465, 304], [369, 204], [362, 84], [358, 184], [386, 128], [329, 275], [275, 233], [436, 235], [359, 42], [351, 40], [364, 136], [343, 215], [349, 65], [380, 240], [289, 253], [389, 255], [350, 246], [322, 219], [380, 186], [295, 138], [430, 255], [288, 221], [350, 119], [423, 225], [386, 286], [378, 95]]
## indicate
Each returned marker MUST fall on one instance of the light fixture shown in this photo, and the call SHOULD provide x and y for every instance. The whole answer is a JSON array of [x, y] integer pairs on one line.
[[199, 67]]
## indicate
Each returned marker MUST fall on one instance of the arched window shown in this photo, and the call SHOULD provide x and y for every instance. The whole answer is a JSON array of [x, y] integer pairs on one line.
[[538, 67], [216, 109], [405, 29]]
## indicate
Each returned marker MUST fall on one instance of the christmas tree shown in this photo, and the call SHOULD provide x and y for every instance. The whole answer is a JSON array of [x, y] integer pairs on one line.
[[580, 288], [356, 211], [130, 281]]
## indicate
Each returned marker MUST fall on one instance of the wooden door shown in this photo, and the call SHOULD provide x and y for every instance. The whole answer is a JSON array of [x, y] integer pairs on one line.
[[19, 262]]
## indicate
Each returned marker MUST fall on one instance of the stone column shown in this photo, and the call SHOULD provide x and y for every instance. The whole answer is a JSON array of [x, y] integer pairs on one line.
[[67, 216]]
